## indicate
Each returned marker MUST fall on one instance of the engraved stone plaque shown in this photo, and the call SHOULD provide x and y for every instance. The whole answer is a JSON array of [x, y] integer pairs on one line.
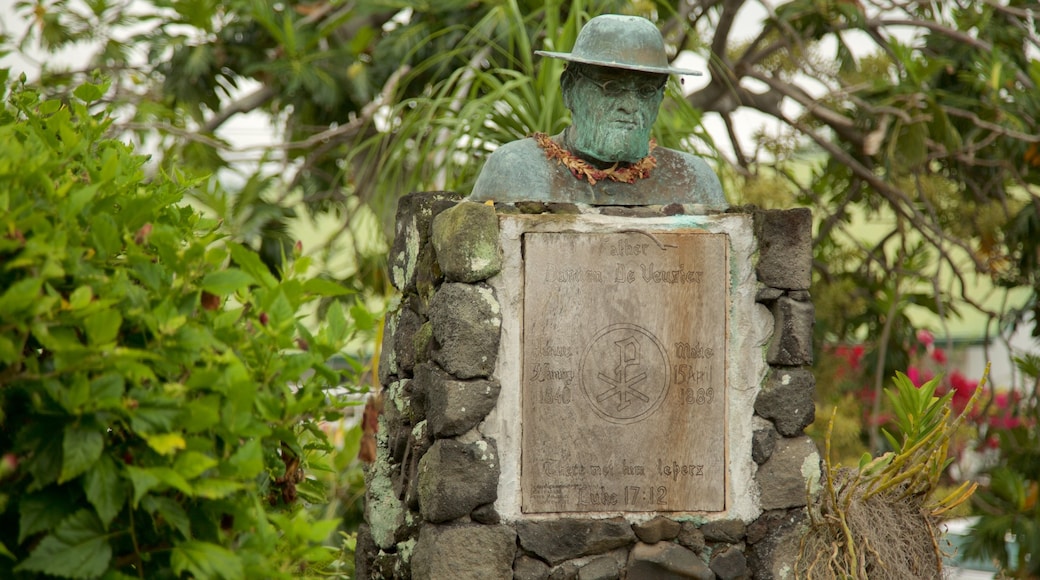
[[624, 372]]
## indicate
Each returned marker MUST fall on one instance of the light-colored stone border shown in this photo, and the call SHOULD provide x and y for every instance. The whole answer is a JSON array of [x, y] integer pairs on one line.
[[750, 328]]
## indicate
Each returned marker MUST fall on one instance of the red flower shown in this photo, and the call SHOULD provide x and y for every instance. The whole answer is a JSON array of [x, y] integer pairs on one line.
[[939, 356], [926, 338], [963, 390]]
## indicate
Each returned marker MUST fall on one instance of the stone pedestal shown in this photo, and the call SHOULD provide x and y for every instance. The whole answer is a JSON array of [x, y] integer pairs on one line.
[[592, 393]]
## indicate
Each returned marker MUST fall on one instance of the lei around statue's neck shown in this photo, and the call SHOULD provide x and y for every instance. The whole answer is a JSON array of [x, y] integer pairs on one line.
[[594, 171]]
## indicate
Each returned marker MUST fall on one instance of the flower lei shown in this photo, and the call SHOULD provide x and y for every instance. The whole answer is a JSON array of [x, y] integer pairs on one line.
[[581, 169]]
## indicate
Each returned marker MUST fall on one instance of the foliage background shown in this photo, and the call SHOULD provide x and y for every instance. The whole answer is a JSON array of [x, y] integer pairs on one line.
[[913, 121]]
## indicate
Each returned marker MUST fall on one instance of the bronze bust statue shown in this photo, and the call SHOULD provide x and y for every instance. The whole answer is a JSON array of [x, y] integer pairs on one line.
[[613, 85]]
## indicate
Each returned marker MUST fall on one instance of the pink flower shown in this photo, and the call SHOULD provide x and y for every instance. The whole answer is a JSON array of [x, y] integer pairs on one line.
[[1005, 421], [939, 356], [924, 337], [1001, 400], [917, 377]]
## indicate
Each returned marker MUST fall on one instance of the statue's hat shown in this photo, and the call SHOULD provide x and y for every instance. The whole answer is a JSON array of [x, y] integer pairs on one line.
[[618, 41]]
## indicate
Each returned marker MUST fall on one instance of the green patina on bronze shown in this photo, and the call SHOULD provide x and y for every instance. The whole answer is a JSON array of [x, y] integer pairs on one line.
[[613, 86]]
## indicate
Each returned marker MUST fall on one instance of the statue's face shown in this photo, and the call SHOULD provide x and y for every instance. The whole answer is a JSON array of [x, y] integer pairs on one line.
[[613, 111]]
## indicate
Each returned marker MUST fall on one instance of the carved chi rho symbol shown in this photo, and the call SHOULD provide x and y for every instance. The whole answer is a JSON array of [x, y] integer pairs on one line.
[[621, 384]]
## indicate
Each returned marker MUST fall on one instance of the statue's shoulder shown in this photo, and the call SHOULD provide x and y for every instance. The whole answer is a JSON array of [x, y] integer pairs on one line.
[[517, 163], [704, 185]]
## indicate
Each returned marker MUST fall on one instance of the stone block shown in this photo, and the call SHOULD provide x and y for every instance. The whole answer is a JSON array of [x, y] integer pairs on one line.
[[464, 552], [425, 374], [455, 407], [422, 343], [384, 512], [729, 531], [465, 239], [486, 514], [774, 556], [565, 571], [556, 541], [783, 480], [768, 295], [657, 529], [791, 344], [397, 403], [785, 248], [562, 208], [428, 277], [786, 399], [466, 323], [531, 207], [730, 564], [763, 442], [408, 324], [388, 361], [601, 568], [455, 478], [666, 561], [691, 536], [365, 551], [528, 568], [411, 234]]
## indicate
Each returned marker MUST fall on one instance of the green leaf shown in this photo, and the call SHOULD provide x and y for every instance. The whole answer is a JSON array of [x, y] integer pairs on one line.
[[78, 548], [202, 414], [9, 353], [80, 448], [45, 462], [337, 323], [323, 287], [362, 317], [281, 312], [50, 107], [226, 282], [154, 418], [42, 511], [20, 295], [165, 443], [88, 92], [106, 490], [77, 200], [169, 511], [145, 479], [108, 387], [249, 262], [80, 297], [248, 461], [102, 327], [192, 464], [206, 560], [216, 488], [105, 234], [313, 491]]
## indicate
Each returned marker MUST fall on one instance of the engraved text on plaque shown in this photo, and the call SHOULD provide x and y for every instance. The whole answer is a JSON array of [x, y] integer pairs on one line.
[[624, 372]]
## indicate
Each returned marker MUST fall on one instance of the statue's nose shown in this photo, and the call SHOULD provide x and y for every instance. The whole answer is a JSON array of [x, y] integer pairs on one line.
[[628, 102]]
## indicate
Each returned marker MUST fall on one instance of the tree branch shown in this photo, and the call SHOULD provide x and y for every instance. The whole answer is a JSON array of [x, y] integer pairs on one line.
[[246, 104]]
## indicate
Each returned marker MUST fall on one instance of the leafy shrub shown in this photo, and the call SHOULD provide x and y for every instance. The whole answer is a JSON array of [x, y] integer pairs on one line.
[[159, 391]]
